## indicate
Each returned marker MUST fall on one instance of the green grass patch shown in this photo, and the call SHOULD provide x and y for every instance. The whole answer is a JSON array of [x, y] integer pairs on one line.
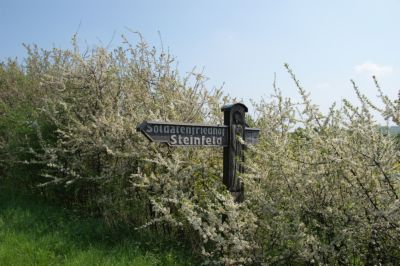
[[33, 232]]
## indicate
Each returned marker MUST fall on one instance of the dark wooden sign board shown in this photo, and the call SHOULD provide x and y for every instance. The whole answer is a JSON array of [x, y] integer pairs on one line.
[[226, 136], [183, 134]]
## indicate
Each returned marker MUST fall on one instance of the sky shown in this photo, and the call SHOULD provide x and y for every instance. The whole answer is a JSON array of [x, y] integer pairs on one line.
[[241, 45]]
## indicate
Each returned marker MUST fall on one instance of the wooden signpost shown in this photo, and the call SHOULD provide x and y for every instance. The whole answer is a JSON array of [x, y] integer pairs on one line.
[[226, 136]]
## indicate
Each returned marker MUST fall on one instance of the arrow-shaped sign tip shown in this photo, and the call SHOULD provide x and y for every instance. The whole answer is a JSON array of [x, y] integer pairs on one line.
[[141, 127]]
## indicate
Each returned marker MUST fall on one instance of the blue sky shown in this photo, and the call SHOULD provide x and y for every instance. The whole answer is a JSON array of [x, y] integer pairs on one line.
[[239, 43]]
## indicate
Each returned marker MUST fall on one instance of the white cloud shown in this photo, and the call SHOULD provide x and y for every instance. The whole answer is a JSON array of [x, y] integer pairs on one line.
[[373, 69]]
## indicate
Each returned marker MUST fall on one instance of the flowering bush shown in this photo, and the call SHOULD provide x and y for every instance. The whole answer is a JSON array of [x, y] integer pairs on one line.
[[320, 188], [327, 185]]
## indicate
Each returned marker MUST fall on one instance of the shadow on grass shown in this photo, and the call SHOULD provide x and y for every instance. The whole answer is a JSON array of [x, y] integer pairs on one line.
[[33, 232]]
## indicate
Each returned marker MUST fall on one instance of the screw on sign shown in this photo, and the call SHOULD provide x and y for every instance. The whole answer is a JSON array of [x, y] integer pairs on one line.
[[226, 136]]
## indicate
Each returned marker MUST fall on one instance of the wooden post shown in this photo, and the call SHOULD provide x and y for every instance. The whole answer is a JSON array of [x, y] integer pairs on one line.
[[234, 118]]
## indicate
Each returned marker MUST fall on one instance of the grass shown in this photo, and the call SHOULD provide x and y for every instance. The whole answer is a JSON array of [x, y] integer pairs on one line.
[[33, 232]]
